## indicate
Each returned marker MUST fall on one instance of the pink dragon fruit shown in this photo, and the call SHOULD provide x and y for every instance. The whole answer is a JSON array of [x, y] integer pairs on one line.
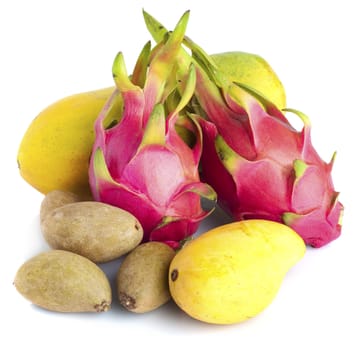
[[258, 163], [141, 164]]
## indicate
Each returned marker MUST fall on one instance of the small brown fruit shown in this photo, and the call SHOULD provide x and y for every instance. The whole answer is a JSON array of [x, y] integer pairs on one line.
[[96, 230], [63, 281], [142, 279]]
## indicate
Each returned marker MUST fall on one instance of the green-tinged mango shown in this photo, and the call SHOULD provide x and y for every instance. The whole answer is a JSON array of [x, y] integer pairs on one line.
[[252, 70]]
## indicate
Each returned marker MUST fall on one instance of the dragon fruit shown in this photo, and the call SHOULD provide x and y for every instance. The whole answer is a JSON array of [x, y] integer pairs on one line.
[[141, 164], [258, 163]]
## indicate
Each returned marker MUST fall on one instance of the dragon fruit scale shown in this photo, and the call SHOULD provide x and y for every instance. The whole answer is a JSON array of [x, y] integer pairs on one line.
[[258, 163], [141, 164]]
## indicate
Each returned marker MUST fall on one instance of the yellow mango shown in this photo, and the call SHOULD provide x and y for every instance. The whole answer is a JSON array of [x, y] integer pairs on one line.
[[233, 272], [55, 149]]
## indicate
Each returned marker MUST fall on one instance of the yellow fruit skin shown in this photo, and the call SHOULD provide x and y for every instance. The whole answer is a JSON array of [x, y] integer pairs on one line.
[[254, 71], [233, 272], [54, 152]]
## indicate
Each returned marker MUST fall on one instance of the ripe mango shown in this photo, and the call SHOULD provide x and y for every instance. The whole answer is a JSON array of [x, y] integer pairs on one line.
[[55, 150], [233, 272]]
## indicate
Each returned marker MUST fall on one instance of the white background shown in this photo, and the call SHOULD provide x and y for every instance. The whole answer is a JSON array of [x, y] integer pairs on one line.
[[51, 49]]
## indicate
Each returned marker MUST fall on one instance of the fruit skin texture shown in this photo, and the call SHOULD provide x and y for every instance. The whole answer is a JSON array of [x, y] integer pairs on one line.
[[55, 150], [254, 71], [56, 199], [62, 281], [233, 272], [141, 164], [142, 278]]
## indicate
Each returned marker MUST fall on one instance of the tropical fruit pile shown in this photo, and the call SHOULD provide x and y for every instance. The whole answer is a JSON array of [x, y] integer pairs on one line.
[[138, 167]]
